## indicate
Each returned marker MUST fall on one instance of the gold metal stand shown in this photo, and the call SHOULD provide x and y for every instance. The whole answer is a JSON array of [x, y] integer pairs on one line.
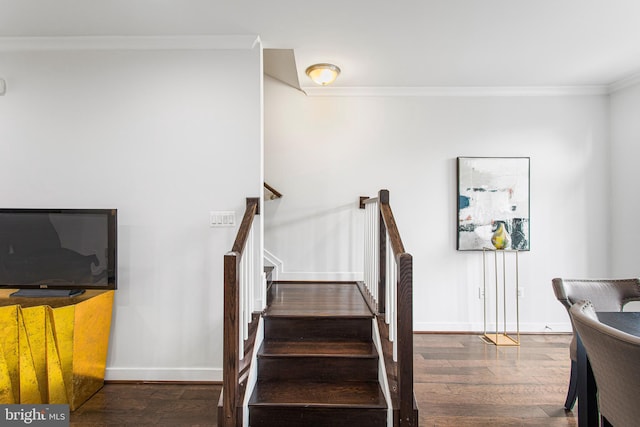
[[497, 337], [53, 350]]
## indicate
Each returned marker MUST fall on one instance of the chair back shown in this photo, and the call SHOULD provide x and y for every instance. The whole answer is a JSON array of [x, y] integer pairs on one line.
[[614, 357], [604, 294]]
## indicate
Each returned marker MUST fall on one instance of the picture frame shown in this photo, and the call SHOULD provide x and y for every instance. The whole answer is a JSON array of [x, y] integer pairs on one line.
[[493, 203]]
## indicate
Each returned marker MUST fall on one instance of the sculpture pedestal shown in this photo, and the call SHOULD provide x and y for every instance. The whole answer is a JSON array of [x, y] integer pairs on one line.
[[501, 337], [53, 350]]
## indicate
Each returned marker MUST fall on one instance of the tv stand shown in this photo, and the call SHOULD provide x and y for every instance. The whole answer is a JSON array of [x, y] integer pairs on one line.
[[53, 350], [47, 293]]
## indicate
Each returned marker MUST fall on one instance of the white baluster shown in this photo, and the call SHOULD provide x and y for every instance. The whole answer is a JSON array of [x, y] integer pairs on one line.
[[375, 249], [367, 255], [391, 291]]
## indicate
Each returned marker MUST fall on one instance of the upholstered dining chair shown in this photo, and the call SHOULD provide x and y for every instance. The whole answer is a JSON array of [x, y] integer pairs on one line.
[[614, 356], [605, 295]]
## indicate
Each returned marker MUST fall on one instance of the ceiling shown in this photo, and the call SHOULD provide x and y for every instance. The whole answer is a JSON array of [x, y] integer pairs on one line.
[[403, 43]]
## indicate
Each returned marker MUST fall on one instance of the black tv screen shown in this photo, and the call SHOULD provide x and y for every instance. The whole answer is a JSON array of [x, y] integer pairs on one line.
[[58, 248]]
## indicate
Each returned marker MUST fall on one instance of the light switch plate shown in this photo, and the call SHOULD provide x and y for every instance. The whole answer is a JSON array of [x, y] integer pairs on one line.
[[222, 218]]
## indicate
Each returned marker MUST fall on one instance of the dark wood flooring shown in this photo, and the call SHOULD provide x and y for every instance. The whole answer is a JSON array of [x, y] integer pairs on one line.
[[139, 405], [303, 299], [459, 381], [462, 381]]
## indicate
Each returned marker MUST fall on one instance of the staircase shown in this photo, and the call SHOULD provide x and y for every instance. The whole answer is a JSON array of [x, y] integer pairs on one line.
[[317, 365], [316, 361]]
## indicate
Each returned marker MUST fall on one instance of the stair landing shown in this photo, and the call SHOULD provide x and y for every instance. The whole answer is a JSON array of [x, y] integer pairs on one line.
[[323, 299]]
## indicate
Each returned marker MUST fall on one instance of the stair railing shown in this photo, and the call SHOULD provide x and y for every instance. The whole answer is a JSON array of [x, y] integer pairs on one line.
[[388, 278], [239, 284], [271, 193]]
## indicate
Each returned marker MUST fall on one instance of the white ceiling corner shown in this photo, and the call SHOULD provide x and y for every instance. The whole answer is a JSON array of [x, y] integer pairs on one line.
[[624, 83]]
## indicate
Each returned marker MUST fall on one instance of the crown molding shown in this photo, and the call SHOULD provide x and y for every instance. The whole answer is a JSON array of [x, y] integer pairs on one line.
[[458, 91], [625, 83], [129, 43]]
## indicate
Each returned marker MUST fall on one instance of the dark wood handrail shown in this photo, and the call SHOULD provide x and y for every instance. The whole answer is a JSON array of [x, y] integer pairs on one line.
[[392, 229], [252, 209], [231, 414], [276, 194], [365, 200]]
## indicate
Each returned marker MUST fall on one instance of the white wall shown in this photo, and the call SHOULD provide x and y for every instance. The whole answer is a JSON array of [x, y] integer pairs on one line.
[[324, 152], [164, 136], [625, 152]]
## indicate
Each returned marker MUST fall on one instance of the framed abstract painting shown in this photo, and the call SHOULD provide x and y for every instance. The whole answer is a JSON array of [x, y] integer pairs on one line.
[[493, 203]]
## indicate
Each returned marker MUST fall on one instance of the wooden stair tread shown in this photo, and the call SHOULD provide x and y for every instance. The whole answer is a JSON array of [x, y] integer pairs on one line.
[[355, 349], [317, 314], [318, 365], [310, 394]]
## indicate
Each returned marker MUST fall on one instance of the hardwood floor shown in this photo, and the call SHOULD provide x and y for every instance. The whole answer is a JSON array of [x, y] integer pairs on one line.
[[302, 299], [139, 405], [459, 381]]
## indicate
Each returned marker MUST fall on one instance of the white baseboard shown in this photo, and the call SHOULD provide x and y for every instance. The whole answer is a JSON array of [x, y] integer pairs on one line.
[[279, 272], [163, 374], [275, 262], [339, 276], [476, 327]]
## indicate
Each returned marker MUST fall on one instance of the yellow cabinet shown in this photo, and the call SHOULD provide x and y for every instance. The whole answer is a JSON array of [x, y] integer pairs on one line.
[[53, 350]]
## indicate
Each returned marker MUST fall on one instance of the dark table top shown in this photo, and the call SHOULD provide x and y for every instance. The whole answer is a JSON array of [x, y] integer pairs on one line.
[[625, 321]]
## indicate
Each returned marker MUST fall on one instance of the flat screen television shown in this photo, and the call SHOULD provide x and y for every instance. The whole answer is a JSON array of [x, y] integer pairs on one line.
[[58, 249]]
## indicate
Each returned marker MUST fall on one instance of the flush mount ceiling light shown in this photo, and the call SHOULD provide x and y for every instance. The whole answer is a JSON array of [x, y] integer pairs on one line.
[[323, 74]]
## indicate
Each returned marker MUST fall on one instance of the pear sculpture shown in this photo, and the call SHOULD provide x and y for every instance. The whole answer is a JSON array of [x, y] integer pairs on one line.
[[501, 238]]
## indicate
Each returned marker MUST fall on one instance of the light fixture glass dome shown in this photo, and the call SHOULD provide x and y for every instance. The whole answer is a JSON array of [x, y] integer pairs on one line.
[[323, 74]]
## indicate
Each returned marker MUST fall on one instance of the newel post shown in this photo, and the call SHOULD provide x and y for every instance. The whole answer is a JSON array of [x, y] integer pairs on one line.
[[231, 339], [405, 339]]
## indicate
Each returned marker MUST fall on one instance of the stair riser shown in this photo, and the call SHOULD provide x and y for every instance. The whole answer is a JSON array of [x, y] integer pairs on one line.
[[317, 417], [280, 328], [317, 369]]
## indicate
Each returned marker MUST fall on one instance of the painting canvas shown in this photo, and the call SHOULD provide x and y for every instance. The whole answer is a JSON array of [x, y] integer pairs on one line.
[[493, 203]]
